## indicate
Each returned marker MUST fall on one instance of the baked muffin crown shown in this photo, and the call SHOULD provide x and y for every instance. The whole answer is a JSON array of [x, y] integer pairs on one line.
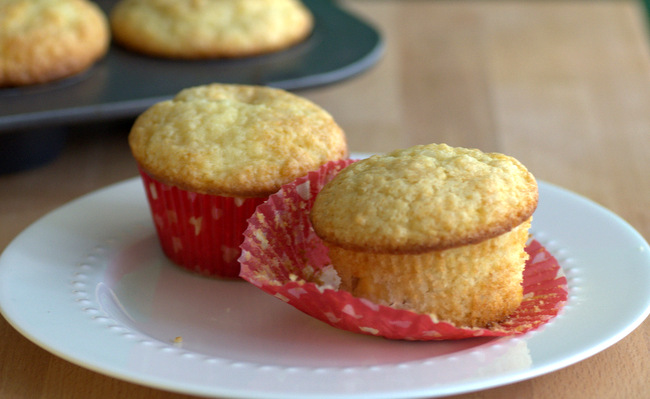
[[428, 197], [209, 28], [234, 140], [44, 40]]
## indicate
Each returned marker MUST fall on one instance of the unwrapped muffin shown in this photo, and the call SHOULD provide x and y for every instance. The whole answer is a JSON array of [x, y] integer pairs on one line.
[[432, 229], [282, 256], [209, 28], [209, 156], [45, 40]]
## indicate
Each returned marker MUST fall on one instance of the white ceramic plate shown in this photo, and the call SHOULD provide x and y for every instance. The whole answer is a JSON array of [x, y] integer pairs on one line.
[[88, 283]]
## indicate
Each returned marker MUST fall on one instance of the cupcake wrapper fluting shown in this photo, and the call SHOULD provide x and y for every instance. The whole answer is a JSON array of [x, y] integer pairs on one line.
[[282, 255], [199, 232]]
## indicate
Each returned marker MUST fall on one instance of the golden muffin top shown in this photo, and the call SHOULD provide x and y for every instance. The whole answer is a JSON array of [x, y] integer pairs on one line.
[[209, 28], [43, 40], [234, 140], [428, 197]]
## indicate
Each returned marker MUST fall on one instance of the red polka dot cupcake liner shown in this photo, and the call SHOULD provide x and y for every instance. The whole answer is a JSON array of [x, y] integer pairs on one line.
[[199, 232], [282, 255]]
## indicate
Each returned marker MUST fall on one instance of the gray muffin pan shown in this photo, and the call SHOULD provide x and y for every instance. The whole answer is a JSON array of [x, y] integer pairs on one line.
[[125, 83]]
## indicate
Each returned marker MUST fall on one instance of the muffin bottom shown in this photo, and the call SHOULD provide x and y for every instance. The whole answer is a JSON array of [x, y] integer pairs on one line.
[[200, 233], [471, 285]]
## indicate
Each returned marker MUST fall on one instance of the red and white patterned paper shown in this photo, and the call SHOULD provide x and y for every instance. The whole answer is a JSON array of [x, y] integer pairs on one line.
[[282, 255], [199, 232]]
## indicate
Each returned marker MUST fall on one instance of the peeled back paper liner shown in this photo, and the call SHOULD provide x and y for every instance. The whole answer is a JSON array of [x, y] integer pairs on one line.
[[282, 255]]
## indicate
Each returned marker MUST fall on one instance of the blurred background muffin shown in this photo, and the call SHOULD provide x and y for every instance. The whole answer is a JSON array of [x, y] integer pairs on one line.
[[45, 40], [195, 29]]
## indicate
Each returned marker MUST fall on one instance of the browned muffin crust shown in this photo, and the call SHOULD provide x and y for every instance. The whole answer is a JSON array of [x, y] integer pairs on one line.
[[235, 140], [194, 29], [45, 40], [424, 198]]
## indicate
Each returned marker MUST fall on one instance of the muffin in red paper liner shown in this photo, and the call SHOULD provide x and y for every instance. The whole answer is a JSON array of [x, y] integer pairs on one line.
[[282, 255], [211, 154]]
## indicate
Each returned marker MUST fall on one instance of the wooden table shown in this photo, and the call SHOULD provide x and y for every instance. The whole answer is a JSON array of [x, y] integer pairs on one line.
[[564, 86]]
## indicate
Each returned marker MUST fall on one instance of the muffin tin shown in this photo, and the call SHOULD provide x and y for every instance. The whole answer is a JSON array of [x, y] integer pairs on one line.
[[125, 83]]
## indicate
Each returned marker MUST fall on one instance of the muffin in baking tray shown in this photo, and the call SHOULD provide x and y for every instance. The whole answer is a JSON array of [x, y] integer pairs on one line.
[[433, 229], [45, 40], [194, 29], [213, 153]]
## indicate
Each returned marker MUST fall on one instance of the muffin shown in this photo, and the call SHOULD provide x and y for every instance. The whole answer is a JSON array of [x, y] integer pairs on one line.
[[45, 40], [194, 29], [213, 153], [432, 229], [282, 256]]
